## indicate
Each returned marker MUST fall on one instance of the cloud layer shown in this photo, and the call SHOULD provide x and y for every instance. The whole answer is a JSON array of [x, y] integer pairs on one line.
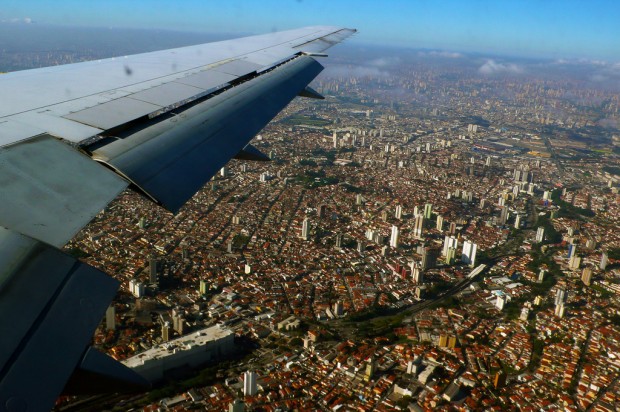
[[491, 67]]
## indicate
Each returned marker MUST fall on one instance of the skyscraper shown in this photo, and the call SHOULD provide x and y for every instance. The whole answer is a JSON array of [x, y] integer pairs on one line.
[[540, 234], [449, 242], [394, 237], [604, 261], [165, 331], [399, 212], [518, 222], [572, 249], [417, 275], [428, 210], [560, 296], [153, 270], [305, 229], [439, 223], [418, 226], [110, 317], [503, 217], [338, 240], [586, 276], [249, 383], [469, 253]]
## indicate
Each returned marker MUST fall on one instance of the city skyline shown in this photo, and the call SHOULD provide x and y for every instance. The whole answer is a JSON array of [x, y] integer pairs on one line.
[[552, 29]]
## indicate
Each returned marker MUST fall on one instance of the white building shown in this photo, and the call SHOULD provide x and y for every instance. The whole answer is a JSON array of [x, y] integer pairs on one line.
[[249, 383], [469, 253], [305, 229], [394, 237], [192, 350]]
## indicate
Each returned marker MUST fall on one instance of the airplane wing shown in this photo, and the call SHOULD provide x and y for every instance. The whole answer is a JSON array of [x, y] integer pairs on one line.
[[73, 137]]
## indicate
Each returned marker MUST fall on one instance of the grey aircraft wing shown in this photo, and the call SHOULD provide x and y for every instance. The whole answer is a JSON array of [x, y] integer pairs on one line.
[[73, 137]]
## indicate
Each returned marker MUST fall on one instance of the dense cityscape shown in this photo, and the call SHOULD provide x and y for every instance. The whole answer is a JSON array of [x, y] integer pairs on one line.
[[440, 233]]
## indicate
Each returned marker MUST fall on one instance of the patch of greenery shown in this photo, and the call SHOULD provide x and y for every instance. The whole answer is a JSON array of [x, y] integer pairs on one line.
[[307, 120], [614, 170], [78, 253], [614, 253], [569, 211]]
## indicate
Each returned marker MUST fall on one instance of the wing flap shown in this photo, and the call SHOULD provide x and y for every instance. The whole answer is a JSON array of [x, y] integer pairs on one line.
[[168, 94], [173, 159], [207, 80], [50, 305], [50, 191], [114, 113]]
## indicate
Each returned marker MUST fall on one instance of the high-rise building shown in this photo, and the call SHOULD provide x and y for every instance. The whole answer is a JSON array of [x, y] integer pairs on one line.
[[449, 242], [450, 256], [541, 276], [428, 210], [604, 261], [503, 217], [443, 340], [394, 237], [500, 380], [361, 246], [540, 234], [586, 276], [574, 263], [338, 240], [418, 226], [338, 308], [572, 249], [399, 212], [165, 331], [224, 171], [153, 266], [203, 287], [136, 288], [559, 310], [468, 256], [358, 199], [335, 139], [501, 302], [439, 223], [110, 317], [518, 222], [249, 383], [452, 230], [560, 296], [417, 275], [370, 369], [525, 313], [236, 406], [305, 229]]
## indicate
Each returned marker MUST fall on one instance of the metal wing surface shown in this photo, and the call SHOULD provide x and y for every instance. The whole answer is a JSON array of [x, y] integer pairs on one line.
[[73, 137]]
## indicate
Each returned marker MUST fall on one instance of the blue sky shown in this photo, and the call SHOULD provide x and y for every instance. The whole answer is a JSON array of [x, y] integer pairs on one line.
[[543, 28]]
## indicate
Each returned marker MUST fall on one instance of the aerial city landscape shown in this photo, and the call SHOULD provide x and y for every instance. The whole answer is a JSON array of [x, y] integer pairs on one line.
[[441, 232]]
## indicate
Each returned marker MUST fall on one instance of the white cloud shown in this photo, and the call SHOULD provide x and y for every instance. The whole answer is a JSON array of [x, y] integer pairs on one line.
[[442, 53], [492, 67], [384, 61]]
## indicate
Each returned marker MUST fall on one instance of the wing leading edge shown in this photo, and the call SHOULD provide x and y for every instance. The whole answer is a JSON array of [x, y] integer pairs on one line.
[[162, 123]]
